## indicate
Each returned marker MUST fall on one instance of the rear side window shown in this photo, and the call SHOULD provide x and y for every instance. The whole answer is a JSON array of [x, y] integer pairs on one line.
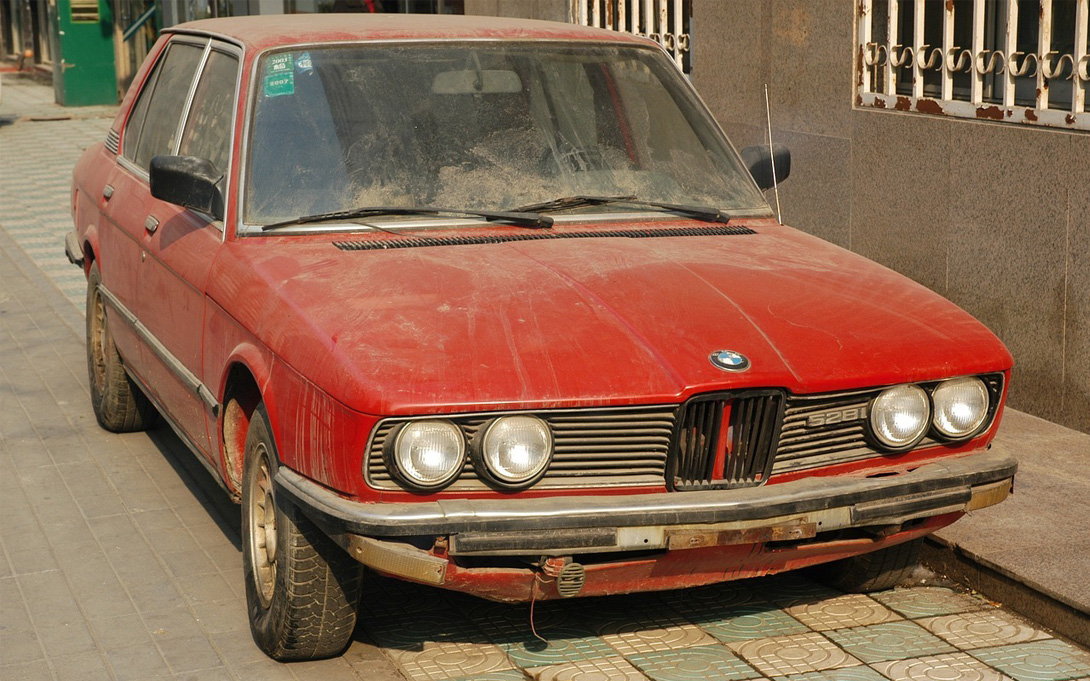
[[208, 128], [157, 126]]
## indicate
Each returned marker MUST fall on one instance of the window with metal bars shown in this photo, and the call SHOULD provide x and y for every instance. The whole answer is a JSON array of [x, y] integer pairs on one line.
[[1018, 61], [667, 22]]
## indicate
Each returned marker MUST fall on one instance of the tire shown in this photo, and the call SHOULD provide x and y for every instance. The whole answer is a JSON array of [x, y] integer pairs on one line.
[[302, 590], [874, 571], [119, 405]]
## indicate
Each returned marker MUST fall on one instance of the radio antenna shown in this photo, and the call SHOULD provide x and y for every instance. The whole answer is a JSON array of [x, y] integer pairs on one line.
[[772, 156]]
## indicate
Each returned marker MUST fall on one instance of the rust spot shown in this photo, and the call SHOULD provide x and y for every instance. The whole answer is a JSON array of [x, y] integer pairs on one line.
[[992, 112], [949, 5], [903, 104], [859, 67], [1070, 119], [862, 9], [929, 106], [879, 104], [859, 100], [1031, 115]]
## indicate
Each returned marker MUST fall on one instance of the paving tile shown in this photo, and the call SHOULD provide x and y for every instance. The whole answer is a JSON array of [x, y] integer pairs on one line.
[[600, 669], [954, 667], [791, 589], [842, 674], [796, 654], [693, 664], [716, 600], [890, 641], [26, 671], [983, 629], [632, 639], [563, 645], [930, 601], [1050, 660], [841, 612], [411, 632], [81, 667], [451, 659], [508, 675], [188, 653]]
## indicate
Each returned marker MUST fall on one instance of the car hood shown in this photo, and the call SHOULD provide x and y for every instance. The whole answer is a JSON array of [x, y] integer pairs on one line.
[[591, 321]]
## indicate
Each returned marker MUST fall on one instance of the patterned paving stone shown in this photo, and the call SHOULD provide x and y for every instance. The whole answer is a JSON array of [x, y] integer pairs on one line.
[[930, 601], [411, 631], [564, 645], [693, 664], [1050, 660], [841, 612], [790, 589], [753, 621], [632, 639], [715, 600], [797, 654], [984, 629], [842, 674], [956, 667], [601, 669], [450, 660], [509, 675], [890, 641]]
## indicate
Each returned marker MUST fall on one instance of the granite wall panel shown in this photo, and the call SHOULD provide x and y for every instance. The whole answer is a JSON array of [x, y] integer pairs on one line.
[[817, 196], [1076, 393]]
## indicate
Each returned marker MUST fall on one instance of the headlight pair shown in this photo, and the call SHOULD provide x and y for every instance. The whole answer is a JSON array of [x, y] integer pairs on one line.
[[956, 409], [510, 452]]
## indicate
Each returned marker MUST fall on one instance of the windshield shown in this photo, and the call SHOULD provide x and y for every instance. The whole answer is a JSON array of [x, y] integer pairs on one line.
[[474, 126]]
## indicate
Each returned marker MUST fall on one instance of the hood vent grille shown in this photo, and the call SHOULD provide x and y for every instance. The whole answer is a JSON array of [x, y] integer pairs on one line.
[[382, 244]]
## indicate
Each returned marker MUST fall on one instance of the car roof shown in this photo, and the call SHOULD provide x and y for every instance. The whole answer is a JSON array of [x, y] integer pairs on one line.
[[277, 30]]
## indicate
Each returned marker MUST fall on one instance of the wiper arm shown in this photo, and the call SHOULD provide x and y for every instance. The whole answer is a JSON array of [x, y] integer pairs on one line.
[[707, 213], [519, 218]]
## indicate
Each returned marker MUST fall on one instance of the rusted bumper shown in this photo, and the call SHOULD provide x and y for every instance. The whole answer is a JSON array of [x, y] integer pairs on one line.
[[740, 532]]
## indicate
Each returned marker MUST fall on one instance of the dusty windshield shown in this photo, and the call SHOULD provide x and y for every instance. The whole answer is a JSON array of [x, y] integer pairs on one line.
[[476, 126]]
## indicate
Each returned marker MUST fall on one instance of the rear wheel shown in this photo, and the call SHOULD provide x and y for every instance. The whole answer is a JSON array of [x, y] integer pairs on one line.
[[302, 590], [118, 403], [874, 571]]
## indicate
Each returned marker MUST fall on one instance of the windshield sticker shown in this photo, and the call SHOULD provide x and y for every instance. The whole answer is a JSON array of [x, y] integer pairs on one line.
[[279, 75], [303, 63]]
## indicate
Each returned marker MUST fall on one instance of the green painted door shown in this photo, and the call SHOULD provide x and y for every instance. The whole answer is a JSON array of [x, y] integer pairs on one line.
[[83, 58]]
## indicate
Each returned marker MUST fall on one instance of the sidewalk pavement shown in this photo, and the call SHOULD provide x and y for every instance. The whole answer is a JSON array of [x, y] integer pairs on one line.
[[120, 555]]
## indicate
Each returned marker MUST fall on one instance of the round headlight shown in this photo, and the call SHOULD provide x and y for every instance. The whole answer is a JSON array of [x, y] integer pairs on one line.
[[516, 449], [899, 416], [428, 454], [961, 405]]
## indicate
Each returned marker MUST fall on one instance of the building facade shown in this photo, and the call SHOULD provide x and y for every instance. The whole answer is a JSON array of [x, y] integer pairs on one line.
[[972, 181]]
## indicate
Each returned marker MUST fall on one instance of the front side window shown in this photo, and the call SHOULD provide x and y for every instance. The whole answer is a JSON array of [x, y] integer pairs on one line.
[[481, 127], [207, 132], [167, 100]]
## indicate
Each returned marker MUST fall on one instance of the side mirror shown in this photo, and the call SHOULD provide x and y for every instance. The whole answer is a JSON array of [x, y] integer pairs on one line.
[[759, 161], [188, 182]]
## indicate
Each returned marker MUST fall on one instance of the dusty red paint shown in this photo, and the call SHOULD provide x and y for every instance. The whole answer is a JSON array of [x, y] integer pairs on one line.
[[675, 569], [994, 113]]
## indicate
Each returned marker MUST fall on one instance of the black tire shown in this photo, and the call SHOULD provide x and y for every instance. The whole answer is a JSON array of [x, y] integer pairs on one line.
[[119, 405], [303, 592], [874, 571]]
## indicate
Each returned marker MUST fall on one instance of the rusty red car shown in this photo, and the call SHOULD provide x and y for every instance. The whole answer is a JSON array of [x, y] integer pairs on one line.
[[494, 305]]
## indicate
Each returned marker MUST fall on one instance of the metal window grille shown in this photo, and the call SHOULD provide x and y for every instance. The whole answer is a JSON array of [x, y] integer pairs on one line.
[[667, 22], [1019, 61]]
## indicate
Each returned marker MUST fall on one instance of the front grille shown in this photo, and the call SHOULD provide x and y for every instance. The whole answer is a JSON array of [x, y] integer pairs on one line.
[[708, 456], [593, 448], [803, 446]]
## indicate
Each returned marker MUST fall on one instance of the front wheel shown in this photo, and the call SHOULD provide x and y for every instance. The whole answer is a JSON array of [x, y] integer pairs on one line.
[[875, 571], [301, 589]]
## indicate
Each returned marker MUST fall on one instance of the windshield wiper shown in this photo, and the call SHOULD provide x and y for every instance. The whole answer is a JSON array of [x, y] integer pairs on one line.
[[520, 218], [709, 214]]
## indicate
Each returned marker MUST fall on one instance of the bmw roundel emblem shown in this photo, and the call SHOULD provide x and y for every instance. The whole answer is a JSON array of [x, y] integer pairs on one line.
[[729, 360]]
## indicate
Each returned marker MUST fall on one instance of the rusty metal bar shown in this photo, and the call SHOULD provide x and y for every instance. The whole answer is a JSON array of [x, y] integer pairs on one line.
[[976, 95], [1044, 48], [1080, 66], [648, 19], [677, 32], [948, 50], [1011, 47], [596, 13], [621, 15], [919, 49], [581, 6], [863, 33]]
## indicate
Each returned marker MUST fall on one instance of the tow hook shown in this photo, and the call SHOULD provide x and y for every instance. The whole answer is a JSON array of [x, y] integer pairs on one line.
[[569, 575]]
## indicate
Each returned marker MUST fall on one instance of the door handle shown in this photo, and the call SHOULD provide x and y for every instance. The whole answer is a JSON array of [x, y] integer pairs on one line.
[[151, 224], [107, 192]]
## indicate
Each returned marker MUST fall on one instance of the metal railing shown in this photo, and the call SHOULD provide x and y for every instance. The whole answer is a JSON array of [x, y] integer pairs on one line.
[[1016, 61], [664, 21]]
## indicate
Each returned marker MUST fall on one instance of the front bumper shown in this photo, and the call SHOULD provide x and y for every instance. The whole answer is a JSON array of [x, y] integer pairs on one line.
[[564, 525]]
